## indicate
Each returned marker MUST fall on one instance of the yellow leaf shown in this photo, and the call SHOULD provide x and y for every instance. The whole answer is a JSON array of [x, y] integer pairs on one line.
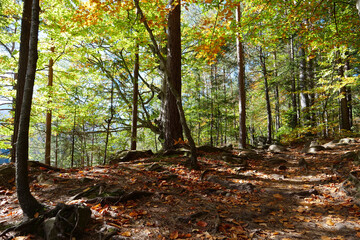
[[278, 196], [126, 234], [329, 222], [325, 238]]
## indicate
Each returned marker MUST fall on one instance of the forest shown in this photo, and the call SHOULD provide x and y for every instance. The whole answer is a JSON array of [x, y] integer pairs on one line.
[[186, 95]]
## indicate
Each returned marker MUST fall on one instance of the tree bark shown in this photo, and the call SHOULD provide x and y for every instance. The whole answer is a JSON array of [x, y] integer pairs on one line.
[[294, 117], [23, 61], [241, 82], [135, 101], [304, 97], [49, 113], [108, 121], [173, 128], [267, 97], [344, 108], [277, 97], [28, 203]]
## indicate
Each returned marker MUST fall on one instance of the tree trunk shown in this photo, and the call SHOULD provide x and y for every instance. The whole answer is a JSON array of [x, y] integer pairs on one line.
[[344, 108], [108, 121], [304, 97], [28, 203], [23, 61], [277, 98], [135, 101], [294, 118], [73, 134], [49, 113], [172, 125], [267, 97], [348, 93], [241, 81]]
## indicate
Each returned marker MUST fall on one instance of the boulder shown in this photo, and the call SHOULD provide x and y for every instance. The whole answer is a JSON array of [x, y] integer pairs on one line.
[[131, 155], [7, 173], [347, 141], [331, 144], [274, 148]]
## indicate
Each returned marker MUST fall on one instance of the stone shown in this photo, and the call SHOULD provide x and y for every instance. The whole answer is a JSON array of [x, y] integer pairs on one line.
[[331, 144], [131, 155], [274, 148], [347, 141]]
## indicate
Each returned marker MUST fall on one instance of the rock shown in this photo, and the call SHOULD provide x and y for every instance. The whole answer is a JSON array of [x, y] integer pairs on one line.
[[331, 144], [227, 147], [210, 149], [274, 148], [7, 172], [126, 156], [347, 141], [229, 158], [176, 151], [313, 149], [249, 154], [276, 161], [62, 225], [155, 167]]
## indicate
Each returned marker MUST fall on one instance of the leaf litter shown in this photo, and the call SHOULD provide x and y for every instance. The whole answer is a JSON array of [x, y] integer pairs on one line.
[[135, 200]]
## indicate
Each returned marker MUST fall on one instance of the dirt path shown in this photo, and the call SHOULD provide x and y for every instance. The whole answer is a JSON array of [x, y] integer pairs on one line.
[[271, 198]]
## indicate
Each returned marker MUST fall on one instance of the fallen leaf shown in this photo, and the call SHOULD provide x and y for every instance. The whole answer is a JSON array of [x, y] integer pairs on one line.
[[174, 235], [36, 215], [126, 234], [329, 222], [201, 224], [278, 196]]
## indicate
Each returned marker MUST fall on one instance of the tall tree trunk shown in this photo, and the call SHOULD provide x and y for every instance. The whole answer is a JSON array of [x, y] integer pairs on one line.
[[344, 108], [241, 81], [108, 121], [348, 93], [225, 100], [173, 128], [135, 101], [311, 87], [73, 133], [193, 159], [304, 97], [267, 97], [28, 203], [211, 107], [277, 98], [294, 116], [23, 61], [49, 112]]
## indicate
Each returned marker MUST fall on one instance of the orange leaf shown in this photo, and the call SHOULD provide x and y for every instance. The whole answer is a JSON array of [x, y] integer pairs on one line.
[[174, 235], [36, 215], [201, 224], [278, 196]]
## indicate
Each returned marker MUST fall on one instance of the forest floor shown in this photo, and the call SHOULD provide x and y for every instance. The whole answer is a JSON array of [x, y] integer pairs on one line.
[[272, 198]]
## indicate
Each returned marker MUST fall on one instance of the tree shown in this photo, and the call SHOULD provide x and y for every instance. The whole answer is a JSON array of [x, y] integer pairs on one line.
[[49, 112], [193, 159], [28, 203], [172, 124], [241, 80], [23, 61]]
